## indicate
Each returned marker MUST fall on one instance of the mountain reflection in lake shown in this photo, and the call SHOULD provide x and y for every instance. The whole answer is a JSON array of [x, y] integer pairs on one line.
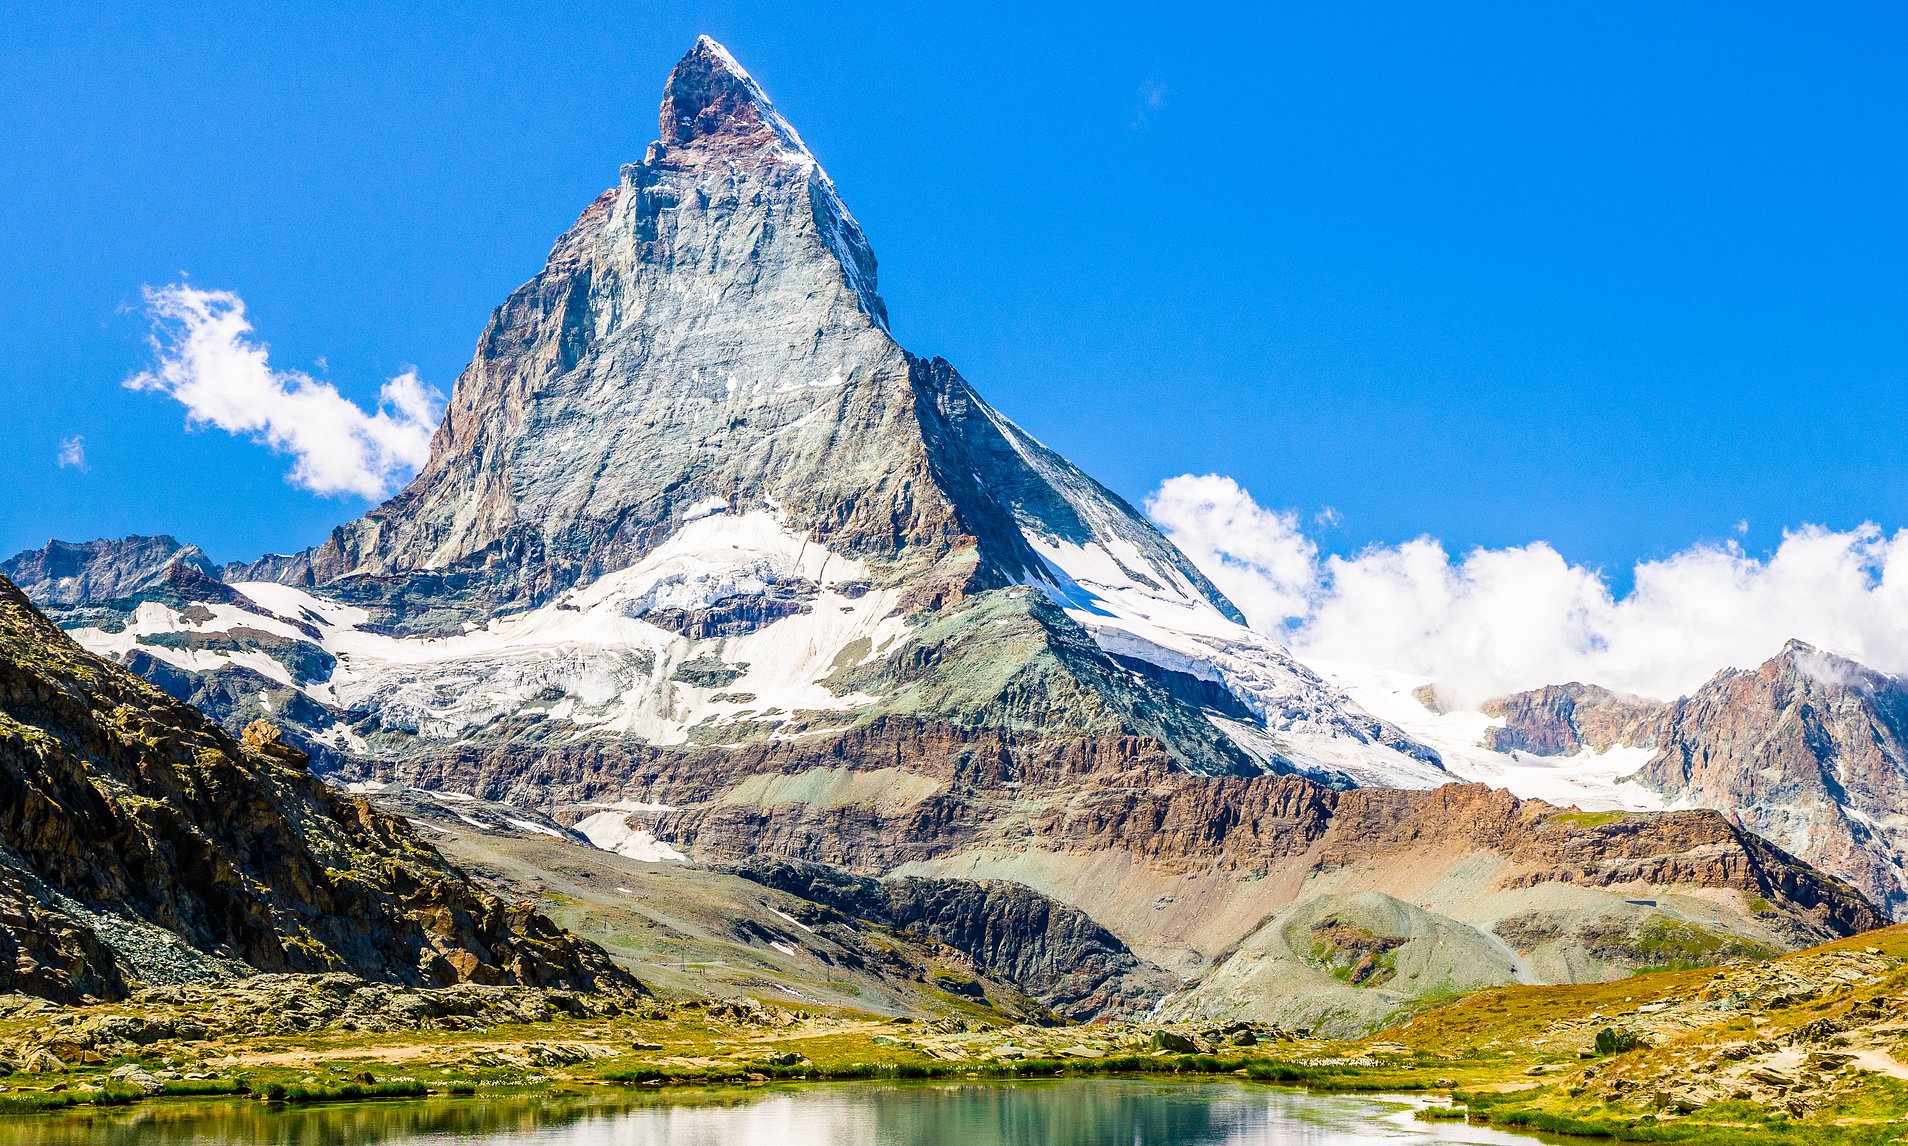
[[1060, 1113]]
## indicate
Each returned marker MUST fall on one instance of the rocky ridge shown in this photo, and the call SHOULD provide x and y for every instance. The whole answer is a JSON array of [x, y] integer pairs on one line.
[[1184, 870], [63, 574], [1564, 719], [699, 931], [1808, 749]]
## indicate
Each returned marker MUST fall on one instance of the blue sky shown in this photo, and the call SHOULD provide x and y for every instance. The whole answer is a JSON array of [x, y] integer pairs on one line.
[[1616, 276]]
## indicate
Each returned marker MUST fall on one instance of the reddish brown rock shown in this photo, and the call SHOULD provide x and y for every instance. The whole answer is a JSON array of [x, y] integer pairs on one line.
[[1563, 719], [993, 790]]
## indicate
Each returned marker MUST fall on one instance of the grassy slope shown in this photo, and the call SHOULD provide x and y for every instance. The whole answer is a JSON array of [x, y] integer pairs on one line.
[[1711, 1031]]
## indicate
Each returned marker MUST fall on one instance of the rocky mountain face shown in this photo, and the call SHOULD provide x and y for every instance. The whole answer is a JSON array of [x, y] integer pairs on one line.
[[1055, 953], [1186, 869], [1564, 719], [702, 931], [1809, 750], [690, 489], [99, 582], [141, 845]]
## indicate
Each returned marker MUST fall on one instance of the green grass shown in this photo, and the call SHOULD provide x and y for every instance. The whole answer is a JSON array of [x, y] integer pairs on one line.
[[1675, 944], [205, 1087], [1733, 1123], [298, 1093], [1322, 1077], [31, 1101], [1585, 819], [1013, 1068]]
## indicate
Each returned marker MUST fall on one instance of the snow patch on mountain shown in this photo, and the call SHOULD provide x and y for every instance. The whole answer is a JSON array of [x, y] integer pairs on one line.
[[589, 658], [612, 832], [1592, 781], [602, 666]]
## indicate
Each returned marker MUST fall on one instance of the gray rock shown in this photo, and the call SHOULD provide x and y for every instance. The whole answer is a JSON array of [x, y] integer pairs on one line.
[[138, 1076]]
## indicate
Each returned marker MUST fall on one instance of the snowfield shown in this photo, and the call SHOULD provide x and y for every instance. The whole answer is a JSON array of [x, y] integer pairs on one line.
[[1588, 780], [595, 660]]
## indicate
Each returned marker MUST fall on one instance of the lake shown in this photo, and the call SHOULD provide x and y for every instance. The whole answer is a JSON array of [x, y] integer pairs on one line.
[[1054, 1113]]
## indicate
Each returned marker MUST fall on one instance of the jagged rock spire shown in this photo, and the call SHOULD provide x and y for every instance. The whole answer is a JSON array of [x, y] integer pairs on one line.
[[711, 97]]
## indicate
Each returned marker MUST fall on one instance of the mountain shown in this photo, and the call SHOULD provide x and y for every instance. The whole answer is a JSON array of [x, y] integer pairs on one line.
[[96, 581], [1810, 750], [1564, 719], [1055, 953], [142, 845], [795, 934], [690, 489], [702, 548]]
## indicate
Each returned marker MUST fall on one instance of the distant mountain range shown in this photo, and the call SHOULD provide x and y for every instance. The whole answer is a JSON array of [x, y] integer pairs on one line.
[[699, 539]]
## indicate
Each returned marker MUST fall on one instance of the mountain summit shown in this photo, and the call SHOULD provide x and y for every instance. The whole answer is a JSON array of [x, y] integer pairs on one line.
[[693, 426], [710, 97], [707, 330]]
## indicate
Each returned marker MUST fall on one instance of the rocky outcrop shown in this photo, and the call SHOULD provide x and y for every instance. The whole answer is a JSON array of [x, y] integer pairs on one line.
[[1809, 750], [1794, 1034], [1564, 719], [1055, 953], [139, 843], [101, 582], [265, 1006]]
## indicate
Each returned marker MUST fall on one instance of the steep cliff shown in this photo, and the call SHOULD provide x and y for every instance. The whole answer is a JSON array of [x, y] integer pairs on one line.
[[1053, 952], [63, 574], [1563, 719]]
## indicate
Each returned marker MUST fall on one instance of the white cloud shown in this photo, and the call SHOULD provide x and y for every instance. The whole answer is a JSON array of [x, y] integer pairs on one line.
[[1152, 97], [1256, 556], [206, 358], [1493, 621], [72, 453]]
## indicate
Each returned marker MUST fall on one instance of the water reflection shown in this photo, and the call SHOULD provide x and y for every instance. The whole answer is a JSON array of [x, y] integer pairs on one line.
[[1058, 1113]]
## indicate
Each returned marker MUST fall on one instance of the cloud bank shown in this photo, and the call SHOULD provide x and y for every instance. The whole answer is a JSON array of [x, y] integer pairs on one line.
[[206, 358], [1493, 621]]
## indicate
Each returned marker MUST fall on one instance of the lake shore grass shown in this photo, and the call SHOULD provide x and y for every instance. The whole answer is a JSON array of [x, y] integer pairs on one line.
[[1646, 1058]]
